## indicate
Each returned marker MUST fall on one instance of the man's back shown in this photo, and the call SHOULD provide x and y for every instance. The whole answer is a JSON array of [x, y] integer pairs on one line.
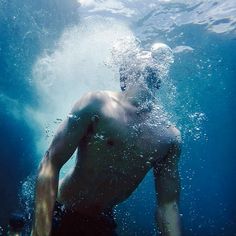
[[119, 146]]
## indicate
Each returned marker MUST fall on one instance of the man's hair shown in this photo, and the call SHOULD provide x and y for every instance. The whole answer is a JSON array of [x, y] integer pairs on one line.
[[149, 74], [123, 78], [151, 77]]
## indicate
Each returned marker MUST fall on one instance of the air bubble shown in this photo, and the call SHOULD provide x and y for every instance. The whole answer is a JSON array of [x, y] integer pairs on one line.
[[148, 163]]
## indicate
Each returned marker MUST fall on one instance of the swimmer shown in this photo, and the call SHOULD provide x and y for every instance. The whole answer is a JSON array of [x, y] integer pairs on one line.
[[118, 137]]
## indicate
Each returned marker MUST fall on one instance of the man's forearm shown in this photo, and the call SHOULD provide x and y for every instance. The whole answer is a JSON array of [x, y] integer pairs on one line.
[[46, 192], [168, 219]]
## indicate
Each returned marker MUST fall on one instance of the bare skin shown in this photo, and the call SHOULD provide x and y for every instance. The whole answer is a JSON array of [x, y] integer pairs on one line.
[[117, 145]]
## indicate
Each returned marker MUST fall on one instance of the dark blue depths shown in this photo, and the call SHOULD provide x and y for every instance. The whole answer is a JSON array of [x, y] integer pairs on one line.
[[26, 28]]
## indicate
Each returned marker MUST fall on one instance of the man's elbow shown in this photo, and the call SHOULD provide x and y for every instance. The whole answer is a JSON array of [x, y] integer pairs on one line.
[[47, 168], [169, 198]]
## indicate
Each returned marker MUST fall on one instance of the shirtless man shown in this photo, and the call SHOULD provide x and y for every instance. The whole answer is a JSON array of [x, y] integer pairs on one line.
[[119, 137]]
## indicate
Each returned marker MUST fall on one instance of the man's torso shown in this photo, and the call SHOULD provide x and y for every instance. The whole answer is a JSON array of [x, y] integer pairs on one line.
[[115, 155]]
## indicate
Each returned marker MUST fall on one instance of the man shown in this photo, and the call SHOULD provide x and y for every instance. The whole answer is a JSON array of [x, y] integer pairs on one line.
[[119, 137]]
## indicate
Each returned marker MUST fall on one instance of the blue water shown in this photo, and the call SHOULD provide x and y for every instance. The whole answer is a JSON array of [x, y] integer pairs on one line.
[[51, 52]]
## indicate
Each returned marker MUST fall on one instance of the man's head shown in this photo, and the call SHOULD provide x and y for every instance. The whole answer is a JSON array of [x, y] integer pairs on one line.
[[145, 74], [146, 68]]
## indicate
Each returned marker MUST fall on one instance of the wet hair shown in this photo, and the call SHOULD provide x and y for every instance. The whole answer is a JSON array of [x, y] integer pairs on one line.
[[151, 78], [150, 75], [123, 78]]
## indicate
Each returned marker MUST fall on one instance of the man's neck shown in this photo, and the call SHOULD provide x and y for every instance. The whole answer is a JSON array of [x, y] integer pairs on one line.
[[142, 100]]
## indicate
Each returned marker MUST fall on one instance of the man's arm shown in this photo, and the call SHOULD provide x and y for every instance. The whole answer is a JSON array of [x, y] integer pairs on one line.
[[167, 183], [61, 149]]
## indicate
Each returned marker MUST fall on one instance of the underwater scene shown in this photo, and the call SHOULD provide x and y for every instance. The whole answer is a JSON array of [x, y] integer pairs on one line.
[[53, 52]]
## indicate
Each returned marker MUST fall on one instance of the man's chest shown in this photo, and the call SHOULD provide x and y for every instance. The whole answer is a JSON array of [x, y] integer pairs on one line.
[[119, 143]]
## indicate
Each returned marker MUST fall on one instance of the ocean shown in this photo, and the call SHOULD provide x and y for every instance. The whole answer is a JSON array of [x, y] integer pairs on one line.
[[54, 51]]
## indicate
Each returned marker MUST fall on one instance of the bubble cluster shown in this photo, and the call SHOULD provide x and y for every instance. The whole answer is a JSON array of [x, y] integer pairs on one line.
[[134, 63], [27, 192], [26, 196], [197, 119]]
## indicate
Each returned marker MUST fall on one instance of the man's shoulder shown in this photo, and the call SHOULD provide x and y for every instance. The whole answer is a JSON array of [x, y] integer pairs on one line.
[[171, 135], [92, 102], [175, 132], [175, 137]]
